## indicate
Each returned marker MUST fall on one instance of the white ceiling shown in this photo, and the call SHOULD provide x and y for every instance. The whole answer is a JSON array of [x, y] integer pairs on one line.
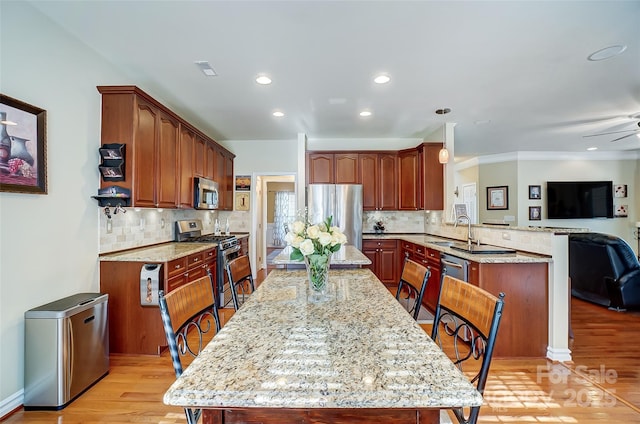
[[520, 65]]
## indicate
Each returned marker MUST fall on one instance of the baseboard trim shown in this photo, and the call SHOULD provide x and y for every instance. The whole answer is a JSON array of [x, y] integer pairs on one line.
[[10, 404]]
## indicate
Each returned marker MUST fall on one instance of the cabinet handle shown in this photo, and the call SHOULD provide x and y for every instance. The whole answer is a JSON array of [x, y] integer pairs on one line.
[[178, 266]]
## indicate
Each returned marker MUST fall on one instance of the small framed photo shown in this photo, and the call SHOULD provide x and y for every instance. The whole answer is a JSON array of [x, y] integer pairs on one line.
[[460, 209], [535, 213], [498, 198], [534, 192], [620, 190], [621, 211]]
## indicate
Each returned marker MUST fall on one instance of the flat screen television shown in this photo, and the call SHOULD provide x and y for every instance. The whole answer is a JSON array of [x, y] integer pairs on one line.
[[579, 199]]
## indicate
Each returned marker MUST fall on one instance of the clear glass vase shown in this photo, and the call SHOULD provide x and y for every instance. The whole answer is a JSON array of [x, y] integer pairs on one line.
[[318, 275]]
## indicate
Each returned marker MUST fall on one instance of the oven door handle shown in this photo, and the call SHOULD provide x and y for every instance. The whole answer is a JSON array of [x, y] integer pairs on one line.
[[452, 264], [233, 249]]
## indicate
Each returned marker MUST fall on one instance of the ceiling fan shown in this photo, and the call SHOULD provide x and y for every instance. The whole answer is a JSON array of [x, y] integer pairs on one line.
[[633, 132]]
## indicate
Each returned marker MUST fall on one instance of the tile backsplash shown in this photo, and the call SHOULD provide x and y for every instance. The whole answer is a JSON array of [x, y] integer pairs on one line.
[[140, 227]]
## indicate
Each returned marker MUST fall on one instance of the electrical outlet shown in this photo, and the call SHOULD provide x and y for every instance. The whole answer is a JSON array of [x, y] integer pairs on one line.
[[142, 222], [506, 236], [162, 223], [109, 226]]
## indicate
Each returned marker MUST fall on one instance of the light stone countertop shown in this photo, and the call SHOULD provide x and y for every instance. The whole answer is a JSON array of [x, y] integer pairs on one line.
[[428, 241], [161, 252], [359, 350], [347, 255]]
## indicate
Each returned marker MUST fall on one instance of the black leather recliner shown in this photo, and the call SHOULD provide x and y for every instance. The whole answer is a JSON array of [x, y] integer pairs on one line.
[[604, 270]]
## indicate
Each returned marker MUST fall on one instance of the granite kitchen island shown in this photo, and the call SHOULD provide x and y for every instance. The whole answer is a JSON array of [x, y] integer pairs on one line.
[[359, 357]]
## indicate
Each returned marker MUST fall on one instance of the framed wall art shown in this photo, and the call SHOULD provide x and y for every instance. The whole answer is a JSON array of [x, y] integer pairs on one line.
[[620, 190], [534, 192], [535, 213], [23, 147], [498, 198]]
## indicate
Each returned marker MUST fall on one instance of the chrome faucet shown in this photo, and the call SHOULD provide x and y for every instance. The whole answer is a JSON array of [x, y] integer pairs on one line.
[[460, 217]]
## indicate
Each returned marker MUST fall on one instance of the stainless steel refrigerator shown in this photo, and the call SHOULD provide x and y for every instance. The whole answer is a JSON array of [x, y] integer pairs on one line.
[[343, 202]]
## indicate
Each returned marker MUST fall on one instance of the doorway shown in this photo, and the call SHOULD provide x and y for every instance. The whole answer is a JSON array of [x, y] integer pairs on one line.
[[272, 190]]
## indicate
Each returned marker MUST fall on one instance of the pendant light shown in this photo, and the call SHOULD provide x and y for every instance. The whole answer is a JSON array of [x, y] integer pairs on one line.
[[443, 154]]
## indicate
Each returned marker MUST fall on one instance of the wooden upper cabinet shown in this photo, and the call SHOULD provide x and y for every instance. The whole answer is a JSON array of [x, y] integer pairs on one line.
[[320, 168], [346, 168], [210, 153], [163, 152], [187, 141], [379, 181], [408, 173], [167, 188], [144, 153], [388, 185], [369, 178], [199, 157], [431, 177]]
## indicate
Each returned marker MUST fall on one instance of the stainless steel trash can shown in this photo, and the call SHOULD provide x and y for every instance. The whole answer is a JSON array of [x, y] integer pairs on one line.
[[66, 349]]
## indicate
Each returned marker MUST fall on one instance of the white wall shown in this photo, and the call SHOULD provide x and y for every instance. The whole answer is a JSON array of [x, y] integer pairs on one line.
[[621, 171], [48, 243], [519, 170]]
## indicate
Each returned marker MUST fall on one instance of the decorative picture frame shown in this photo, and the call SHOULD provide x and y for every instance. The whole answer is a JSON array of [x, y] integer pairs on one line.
[[535, 213], [620, 190], [243, 182], [498, 198], [23, 147], [535, 192], [621, 211], [460, 209], [242, 201]]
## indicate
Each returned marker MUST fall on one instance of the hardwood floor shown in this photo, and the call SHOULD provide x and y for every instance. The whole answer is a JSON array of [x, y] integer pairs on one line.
[[602, 385]]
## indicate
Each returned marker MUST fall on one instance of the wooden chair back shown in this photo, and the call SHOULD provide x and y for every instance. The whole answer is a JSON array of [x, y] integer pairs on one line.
[[240, 279], [412, 286], [188, 314], [470, 317]]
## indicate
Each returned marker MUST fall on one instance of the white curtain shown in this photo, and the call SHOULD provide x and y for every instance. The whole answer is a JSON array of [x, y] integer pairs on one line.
[[280, 217]]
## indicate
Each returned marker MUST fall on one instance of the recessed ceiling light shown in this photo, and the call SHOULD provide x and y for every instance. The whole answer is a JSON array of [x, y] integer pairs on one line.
[[206, 68], [365, 113], [278, 114], [443, 111], [607, 53], [263, 80], [382, 79], [592, 148]]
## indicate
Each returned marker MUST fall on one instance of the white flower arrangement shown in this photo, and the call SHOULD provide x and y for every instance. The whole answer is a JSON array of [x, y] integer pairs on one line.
[[319, 239]]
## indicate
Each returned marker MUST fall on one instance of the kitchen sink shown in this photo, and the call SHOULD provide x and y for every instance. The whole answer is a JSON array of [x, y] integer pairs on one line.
[[443, 243], [481, 249]]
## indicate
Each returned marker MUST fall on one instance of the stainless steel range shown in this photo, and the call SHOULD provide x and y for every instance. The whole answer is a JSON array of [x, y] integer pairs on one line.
[[228, 248]]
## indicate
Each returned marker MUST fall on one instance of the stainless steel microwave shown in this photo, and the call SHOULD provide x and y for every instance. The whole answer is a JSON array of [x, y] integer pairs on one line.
[[205, 193]]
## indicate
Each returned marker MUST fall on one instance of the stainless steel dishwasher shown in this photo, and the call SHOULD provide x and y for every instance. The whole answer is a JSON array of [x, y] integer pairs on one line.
[[66, 349], [454, 266]]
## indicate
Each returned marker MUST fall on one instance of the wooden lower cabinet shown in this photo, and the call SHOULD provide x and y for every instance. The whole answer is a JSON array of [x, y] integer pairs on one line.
[[384, 259], [134, 328], [525, 320], [433, 285]]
